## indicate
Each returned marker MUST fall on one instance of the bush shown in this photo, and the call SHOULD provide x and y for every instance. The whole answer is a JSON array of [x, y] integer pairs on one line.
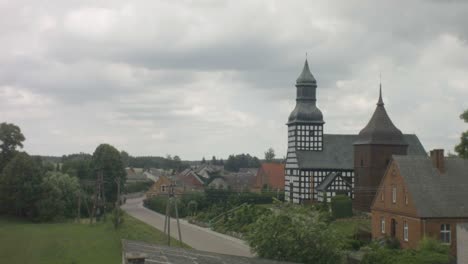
[[341, 206], [430, 251], [134, 187], [297, 234]]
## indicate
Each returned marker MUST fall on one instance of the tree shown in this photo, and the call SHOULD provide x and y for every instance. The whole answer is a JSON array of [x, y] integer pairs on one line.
[[125, 158], [203, 161], [462, 148], [20, 186], [270, 155], [214, 161], [106, 160], [59, 193], [11, 138], [78, 165], [297, 234]]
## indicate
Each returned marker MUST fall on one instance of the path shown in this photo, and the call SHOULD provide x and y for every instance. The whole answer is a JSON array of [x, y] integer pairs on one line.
[[197, 237]]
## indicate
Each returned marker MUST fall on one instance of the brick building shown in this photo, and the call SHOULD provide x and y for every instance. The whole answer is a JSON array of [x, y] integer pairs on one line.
[[270, 176], [421, 196]]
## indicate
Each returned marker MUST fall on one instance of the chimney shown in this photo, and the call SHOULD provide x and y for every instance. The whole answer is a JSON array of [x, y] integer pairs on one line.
[[437, 157]]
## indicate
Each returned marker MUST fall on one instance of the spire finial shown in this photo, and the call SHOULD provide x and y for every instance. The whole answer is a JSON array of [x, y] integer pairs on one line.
[[380, 102]]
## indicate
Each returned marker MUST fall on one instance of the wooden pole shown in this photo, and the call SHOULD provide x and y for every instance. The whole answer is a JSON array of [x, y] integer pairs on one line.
[[178, 224]]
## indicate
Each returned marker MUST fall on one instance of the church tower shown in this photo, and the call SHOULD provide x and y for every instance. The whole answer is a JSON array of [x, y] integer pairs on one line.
[[305, 133], [373, 149]]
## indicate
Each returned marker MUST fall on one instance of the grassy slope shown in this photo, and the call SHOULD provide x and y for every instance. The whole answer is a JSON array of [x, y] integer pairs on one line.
[[65, 243]]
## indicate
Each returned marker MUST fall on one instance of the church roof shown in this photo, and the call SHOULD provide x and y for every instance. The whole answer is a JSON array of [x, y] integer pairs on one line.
[[436, 194], [380, 129], [338, 152], [306, 76], [306, 110]]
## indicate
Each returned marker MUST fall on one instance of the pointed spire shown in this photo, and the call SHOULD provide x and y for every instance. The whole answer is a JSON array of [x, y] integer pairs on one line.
[[380, 102], [306, 76]]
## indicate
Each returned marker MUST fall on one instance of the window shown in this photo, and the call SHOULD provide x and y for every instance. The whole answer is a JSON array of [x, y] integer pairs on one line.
[[445, 234], [163, 188], [405, 231], [382, 225], [394, 194], [382, 195], [406, 198]]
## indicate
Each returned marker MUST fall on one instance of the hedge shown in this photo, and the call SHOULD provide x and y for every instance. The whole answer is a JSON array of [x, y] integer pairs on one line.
[[341, 206]]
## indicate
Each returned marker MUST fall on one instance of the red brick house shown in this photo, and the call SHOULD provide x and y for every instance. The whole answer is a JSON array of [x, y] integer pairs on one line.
[[270, 176], [189, 181], [421, 196]]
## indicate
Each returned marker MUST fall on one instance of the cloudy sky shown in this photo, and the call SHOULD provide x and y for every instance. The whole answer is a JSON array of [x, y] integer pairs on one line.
[[211, 77]]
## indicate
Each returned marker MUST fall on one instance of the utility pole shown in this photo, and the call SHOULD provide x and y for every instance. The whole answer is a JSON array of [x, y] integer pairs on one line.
[[79, 205], [167, 220], [117, 203]]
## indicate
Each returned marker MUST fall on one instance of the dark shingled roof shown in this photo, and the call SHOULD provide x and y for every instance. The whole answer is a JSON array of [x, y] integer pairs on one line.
[[380, 129], [306, 110], [338, 152], [306, 76], [436, 194], [175, 255]]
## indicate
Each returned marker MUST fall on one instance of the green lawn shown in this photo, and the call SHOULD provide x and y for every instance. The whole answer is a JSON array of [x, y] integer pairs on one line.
[[65, 243], [348, 226]]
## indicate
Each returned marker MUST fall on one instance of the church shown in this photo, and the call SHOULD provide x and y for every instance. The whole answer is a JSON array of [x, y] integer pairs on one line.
[[320, 165]]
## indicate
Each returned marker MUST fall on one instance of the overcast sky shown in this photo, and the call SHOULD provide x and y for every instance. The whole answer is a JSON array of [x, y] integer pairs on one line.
[[203, 78]]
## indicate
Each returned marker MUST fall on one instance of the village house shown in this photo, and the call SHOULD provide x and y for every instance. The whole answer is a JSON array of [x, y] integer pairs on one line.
[[189, 181], [160, 187], [270, 176], [241, 181], [421, 196]]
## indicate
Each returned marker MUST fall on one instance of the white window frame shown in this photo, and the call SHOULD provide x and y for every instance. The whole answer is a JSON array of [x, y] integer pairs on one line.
[[393, 194], [405, 231], [445, 231], [382, 225]]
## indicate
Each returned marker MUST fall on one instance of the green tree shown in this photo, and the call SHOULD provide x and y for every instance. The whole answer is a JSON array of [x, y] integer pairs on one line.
[[11, 138], [203, 161], [125, 158], [106, 160], [297, 234], [462, 148], [59, 193], [78, 165], [20, 186], [270, 155]]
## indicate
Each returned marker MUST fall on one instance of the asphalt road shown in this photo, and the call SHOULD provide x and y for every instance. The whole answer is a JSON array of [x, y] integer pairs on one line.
[[197, 237]]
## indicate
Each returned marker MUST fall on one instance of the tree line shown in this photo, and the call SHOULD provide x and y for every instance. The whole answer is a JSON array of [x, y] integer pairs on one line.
[[40, 191]]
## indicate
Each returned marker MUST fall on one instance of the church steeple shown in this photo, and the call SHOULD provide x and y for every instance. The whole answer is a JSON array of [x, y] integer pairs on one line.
[[306, 110], [380, 130]]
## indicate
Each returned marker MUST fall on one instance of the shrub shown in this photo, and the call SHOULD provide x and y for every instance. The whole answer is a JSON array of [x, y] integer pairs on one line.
[[341, 206]]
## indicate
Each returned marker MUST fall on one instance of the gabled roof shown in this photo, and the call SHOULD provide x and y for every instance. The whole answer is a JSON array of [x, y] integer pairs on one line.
[[435, 194], [338, 152], [323, 186]]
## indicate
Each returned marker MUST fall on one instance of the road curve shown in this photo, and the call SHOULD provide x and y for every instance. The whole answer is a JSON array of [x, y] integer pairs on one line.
[[197, 237]]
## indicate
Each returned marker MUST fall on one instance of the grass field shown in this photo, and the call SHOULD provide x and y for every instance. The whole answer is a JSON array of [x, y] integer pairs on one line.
[[23, 242]]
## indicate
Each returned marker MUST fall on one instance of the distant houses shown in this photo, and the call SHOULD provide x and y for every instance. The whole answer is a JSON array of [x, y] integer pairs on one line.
[[422, 196], [270, 176]]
